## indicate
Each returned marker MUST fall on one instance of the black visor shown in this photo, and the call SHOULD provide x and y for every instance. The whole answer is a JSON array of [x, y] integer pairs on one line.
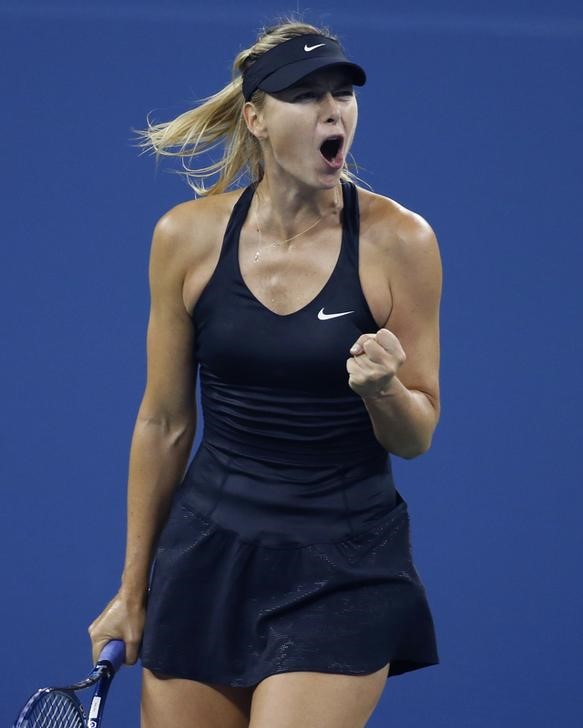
[[287, 63]]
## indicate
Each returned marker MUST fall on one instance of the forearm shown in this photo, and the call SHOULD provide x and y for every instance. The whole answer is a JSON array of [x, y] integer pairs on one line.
[[403, 420], [158, 458]]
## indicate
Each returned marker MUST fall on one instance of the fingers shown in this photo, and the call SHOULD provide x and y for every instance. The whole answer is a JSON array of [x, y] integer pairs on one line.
[[357, 374], [375, 360], [132, 650], [361, 368], [99, 639], [97, 644], [373, 350], [120, 620], [376, 346], [358, 346], [384, 337]]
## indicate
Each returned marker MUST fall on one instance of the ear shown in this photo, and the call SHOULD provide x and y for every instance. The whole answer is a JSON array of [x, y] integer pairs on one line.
[[254, 120]]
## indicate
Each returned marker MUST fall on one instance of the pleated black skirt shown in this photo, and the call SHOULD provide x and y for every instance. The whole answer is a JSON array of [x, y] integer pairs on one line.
[[254, 577]]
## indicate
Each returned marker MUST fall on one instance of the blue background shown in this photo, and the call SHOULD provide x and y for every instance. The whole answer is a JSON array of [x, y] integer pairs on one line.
[[471, 117]]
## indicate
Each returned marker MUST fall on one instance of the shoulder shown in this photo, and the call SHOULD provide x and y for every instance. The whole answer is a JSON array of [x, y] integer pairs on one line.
[[392, 223], [405, 244], [190, 231], [407, 250], [194, 221]]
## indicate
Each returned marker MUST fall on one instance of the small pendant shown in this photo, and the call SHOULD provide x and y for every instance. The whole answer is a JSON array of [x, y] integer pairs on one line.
[[256, 258]]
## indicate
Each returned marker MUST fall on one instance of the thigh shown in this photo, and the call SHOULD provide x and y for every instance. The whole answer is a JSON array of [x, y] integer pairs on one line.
[[169, 702], [316, 700]]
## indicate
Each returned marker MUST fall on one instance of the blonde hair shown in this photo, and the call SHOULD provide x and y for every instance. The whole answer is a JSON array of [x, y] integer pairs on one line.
[[218, 121]]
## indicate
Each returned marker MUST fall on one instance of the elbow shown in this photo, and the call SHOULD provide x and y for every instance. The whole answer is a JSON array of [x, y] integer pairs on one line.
[[422, 442], [413, 453], [178, 433], [413, 449]]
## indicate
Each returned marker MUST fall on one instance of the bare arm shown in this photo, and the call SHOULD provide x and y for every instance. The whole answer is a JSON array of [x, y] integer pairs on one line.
[[398, 372], [162, 437], [166, 420]]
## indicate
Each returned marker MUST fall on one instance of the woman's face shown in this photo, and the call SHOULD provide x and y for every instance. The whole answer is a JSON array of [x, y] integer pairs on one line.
[[308, 128]]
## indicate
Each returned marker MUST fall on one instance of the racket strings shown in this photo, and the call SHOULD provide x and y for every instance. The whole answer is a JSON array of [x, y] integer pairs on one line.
[[59, 707], [54, 710]]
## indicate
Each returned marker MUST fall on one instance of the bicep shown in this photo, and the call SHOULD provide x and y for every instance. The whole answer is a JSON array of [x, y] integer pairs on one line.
[[415, 283], [169, 396]]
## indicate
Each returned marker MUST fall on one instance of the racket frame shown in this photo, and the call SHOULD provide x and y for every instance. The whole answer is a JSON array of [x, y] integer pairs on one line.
[[110, 660]]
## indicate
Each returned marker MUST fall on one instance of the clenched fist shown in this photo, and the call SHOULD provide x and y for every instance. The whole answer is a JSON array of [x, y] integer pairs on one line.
[[375, 361]]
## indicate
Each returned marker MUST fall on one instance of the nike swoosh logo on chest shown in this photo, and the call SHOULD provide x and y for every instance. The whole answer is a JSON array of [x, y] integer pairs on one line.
[[323, 316]]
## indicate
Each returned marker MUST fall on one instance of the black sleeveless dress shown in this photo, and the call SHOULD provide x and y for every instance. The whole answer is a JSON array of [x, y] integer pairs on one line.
[[287, 546]]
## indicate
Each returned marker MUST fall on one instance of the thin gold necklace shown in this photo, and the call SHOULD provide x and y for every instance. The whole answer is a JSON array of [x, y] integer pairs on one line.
[[293, 237]]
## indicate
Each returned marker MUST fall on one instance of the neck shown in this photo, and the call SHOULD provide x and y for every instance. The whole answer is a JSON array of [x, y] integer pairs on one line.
[[287, 209]]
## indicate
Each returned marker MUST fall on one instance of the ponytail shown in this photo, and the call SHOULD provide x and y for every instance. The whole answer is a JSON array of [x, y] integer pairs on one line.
[[218, 121]]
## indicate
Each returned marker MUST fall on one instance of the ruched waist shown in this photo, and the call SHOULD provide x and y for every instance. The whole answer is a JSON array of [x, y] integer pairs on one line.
[[288, 427], [282, 507]]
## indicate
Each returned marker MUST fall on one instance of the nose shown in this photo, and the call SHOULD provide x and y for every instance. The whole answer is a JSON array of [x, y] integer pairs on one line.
[[330, 108]]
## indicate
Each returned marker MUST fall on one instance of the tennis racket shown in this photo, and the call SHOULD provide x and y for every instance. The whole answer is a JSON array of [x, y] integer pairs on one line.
[[61, 708]]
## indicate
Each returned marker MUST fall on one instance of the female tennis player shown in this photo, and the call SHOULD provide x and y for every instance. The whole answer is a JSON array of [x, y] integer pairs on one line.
[[270, 583]]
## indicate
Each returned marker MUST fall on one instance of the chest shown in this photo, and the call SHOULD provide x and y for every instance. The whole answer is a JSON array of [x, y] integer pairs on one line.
[[286, 278]]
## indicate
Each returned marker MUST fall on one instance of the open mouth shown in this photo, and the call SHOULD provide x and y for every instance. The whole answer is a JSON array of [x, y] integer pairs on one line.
[[331, 148]]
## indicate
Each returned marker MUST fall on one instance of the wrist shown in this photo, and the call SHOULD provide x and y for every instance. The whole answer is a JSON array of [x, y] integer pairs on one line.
[[392, 389], [133, 591]]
